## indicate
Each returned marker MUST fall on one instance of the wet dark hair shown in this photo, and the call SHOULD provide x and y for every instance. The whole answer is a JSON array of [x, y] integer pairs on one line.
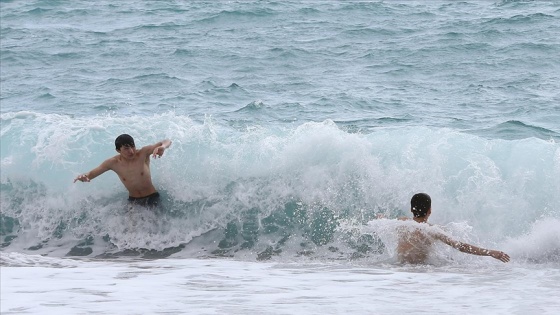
[[124, 139], [420, 204]]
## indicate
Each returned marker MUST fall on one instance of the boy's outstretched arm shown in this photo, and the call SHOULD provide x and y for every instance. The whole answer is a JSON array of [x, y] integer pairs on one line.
[[157, 149], [471, 249], [104, 167]]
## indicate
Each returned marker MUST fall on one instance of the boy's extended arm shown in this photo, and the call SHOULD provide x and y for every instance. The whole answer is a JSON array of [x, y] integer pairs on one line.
[[157, 149], [104, 167], [471, 249]]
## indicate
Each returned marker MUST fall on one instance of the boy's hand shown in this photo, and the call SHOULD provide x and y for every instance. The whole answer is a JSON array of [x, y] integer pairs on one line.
[[82, 178], [499, 255], [158, 152]]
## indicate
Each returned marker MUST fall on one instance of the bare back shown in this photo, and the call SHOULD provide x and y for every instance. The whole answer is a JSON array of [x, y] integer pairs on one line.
[[414, 246]]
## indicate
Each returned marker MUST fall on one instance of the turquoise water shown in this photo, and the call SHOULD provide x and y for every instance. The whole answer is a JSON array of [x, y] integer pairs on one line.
[[486, 66], [294, 124]]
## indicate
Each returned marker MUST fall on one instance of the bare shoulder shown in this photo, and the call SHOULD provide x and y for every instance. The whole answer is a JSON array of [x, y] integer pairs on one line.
[[111, 161], [444, 238]]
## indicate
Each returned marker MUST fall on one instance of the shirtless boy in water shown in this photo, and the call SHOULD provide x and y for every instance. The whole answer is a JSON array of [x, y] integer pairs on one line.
[[414, 246], [133, 168]]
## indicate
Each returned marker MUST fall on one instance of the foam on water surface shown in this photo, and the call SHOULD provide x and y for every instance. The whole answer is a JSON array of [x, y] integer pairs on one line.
[[267, 191], [38, 285]]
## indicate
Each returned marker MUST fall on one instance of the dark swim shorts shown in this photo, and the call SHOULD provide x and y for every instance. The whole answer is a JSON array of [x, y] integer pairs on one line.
[[148, 201]]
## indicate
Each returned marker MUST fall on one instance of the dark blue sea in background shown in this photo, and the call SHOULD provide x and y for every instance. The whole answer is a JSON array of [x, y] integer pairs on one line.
[[294, 123]]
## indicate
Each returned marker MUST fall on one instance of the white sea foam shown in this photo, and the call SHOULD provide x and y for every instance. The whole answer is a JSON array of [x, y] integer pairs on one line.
[[210, 286]]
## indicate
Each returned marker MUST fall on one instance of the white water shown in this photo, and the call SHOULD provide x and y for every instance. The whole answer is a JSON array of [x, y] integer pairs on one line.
[[41, 285]]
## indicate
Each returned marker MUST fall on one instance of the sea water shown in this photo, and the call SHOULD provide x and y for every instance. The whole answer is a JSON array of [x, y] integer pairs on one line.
[[295, 126]]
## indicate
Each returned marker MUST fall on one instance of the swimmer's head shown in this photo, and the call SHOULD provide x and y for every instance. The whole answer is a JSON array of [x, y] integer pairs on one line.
[[420, 204], [124, 140]]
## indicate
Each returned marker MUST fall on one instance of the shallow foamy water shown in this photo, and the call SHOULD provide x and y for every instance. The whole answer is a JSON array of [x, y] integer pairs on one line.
[[40, 285]]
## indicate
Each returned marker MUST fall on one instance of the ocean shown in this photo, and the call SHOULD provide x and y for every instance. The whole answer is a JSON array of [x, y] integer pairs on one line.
[[300, 129]]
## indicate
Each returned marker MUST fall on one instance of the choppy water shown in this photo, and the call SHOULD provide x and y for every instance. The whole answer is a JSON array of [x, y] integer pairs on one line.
[[293, 124], [489, 67]]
